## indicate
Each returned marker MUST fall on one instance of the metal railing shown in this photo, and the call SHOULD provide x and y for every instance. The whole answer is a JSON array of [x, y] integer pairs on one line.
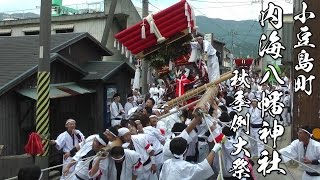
[[84, 8]]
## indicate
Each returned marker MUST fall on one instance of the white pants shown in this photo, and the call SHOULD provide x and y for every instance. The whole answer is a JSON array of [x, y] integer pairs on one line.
[[65, 162], [147, 175], [255, 147], [285, 116], [305, 176], [115, 122], [213, 68], [203, 151]]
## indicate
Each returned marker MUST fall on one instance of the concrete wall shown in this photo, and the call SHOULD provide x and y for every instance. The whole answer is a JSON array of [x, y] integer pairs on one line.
[[10, 165]]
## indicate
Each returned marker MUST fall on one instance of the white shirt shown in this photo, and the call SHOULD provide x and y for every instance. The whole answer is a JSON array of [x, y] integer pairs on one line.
[[115, 110], [296, 151], [154, 91], [152, 131], [131, 165], [180, 169], [166, 147], [255, 116], [127, 107], [65, 141], [82, 169]]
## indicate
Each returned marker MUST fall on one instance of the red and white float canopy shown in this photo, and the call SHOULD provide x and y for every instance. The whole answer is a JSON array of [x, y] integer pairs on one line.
[[167, 25]]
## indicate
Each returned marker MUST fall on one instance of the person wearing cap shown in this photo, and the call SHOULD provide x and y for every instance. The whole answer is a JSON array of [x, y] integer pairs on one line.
[[305, 150], [256, 147], [120, 164], [209, 54], [68, 141], [178, 168], [170, 120], [92, 146], [116, 110], [129, 105]]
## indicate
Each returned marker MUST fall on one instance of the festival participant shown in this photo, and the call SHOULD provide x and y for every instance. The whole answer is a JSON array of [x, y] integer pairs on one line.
[[255, 125], [129, 105], [208, 51], [113, 136], [93, 145], [121, 164], [67, 141], [305, 150], [178, 168], [154, 92], [116, 110], [141, 143]]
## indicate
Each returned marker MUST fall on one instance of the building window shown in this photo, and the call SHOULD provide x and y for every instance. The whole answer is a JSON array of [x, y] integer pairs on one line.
[[32, 33], [58, 31], [5, 34]]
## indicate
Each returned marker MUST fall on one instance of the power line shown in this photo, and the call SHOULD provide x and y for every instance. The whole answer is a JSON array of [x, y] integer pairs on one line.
[[249, 4], [154, 6]]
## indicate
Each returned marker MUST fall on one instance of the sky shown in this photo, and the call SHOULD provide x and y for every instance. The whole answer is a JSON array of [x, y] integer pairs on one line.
[[223, 9]]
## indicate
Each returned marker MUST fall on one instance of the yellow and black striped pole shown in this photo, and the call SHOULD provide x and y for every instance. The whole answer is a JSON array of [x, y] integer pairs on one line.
[[43, 108], [43, 83]]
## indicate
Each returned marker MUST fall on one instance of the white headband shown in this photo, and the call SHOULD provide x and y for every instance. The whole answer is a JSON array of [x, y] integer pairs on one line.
[[306, 131], [69, 121], [123, 131], [111, 132], [153, 116], [181, 155], [101, 141], [117, 159]]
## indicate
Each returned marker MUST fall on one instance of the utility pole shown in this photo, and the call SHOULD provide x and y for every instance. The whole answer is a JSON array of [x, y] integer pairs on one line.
[[43, 80], [109, 21], [145, 66]]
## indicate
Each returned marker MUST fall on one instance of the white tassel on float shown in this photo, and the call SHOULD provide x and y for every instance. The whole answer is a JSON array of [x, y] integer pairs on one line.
[[118, 46], [136, 80], [130, 58], [122, 49], [186, 12], [143, 30], [115, 43], [127, 52], [170, 66]]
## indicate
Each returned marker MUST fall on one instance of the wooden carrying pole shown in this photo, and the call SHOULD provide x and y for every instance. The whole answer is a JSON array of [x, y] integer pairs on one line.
[[211, 93], [197, 91]]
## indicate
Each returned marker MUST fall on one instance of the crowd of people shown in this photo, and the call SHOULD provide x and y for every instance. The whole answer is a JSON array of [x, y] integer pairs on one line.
[[143, 144]]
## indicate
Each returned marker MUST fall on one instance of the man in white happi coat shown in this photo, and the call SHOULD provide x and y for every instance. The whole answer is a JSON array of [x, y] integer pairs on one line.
[[121, 164], [305, 150], [116, 110], [177, 168], [129, 105], [67, 141], [170, 120], [207, 50], [287, 108], [92, 145], [256, 147], [154, 92], [141, 143]]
